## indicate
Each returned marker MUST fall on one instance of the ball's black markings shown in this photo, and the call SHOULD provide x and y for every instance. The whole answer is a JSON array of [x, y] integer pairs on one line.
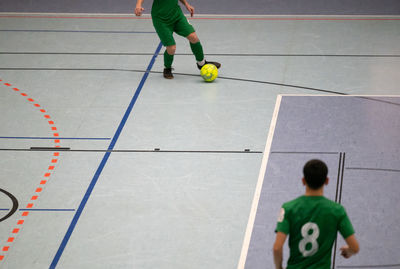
[[14, 202]]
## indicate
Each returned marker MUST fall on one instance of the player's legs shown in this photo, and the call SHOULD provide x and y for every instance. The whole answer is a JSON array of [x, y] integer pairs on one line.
[[184, 28], [168, 59], [165, 33], [169, 55], [171, 49], [193, 38], [197, 50], [196, 47]]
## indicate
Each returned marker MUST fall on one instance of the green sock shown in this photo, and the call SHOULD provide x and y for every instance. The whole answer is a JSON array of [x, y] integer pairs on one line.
[[197, 50], [168, 59]]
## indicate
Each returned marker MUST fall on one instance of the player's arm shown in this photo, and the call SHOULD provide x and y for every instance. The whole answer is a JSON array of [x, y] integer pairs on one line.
[[278, 249], [139, 9], [188, 7], [351, 248]]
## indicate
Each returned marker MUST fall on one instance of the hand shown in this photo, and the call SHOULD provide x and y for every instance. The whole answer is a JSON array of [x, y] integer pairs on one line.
[[190, 9], [139, 11], [346, 252]]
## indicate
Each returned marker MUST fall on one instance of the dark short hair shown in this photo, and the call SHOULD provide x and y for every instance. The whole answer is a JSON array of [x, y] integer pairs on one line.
[[315, 173]]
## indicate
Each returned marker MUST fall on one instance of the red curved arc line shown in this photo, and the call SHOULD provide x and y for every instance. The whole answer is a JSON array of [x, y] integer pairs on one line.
[[38, 190]]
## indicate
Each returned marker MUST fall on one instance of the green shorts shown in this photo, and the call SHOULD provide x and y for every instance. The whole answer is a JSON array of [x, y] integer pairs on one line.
[[165, 29]]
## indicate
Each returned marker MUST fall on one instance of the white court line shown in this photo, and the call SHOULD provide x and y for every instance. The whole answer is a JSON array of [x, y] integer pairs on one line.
[[257, 194]]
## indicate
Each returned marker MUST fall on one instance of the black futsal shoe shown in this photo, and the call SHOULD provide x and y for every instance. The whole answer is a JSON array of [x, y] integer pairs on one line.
[[168, 73], [218, 65]]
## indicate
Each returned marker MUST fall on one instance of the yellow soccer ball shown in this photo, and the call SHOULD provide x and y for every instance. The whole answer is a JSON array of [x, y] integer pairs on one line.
[[209, 72]]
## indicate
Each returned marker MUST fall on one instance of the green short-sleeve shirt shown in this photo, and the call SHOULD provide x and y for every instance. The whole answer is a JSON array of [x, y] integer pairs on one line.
[[312, 223], [167, 10]]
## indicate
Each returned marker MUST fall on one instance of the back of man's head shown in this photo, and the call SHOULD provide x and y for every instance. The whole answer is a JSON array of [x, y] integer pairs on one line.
[[315, 173]]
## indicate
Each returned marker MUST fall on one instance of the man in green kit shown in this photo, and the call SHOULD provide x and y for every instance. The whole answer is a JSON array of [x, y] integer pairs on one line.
[[312, 222], [168, 18]]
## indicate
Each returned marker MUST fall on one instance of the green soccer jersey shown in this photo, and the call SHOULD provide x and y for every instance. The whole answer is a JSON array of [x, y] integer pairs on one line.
[[166, 10], [312, 223]]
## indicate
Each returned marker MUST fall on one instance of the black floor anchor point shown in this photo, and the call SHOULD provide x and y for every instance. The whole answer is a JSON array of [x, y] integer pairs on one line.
[[14, 207]]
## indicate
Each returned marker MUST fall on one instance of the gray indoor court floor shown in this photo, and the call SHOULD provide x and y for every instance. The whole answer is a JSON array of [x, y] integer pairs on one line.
[[105, 164]]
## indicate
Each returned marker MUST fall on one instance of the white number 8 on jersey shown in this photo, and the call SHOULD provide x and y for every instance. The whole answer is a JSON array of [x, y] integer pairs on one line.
[[309, 238]]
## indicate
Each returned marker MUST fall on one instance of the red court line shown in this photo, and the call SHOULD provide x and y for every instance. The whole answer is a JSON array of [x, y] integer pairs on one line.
[[45, 177], [73, 17], [209, 18]]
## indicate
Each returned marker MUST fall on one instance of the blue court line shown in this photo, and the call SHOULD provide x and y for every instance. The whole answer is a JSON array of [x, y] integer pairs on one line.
[[103, 162], [52, 138], [77, 31]]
